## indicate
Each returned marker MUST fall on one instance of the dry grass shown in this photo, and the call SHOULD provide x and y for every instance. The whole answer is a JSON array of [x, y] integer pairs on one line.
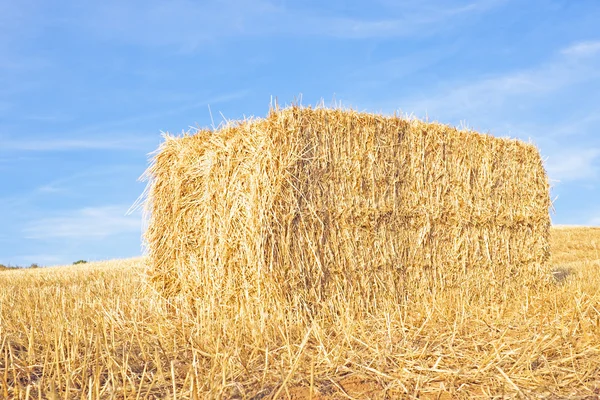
[[97, 331]]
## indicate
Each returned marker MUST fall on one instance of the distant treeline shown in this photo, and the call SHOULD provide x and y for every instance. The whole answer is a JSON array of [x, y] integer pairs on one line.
[[34, 265], [11, 267]]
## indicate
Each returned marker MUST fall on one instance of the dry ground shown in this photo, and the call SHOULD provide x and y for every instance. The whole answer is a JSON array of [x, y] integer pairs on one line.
[[97, 331]]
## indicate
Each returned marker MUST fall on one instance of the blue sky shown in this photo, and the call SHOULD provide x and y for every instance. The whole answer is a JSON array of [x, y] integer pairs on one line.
[[87, 87]]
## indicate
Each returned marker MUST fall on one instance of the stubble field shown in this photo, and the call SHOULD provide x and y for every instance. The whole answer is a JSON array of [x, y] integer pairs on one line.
[[98, 331]]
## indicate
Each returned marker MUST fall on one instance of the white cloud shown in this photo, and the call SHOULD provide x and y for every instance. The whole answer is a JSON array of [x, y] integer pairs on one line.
[[406, 19], [436, 7], [95, 137], [511, 90], [409, 62], [189, 24], [574, 164], [583, 48], [184, 106], [49, 189], [576, 126], [47, 145], [49, 118], [85, 223]]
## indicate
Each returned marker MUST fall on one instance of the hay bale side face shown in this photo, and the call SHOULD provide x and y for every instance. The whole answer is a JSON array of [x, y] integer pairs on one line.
[[312, 203]]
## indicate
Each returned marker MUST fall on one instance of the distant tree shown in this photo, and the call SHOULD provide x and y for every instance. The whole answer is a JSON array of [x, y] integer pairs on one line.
[[80, 262], [9, 267], [34, 265]]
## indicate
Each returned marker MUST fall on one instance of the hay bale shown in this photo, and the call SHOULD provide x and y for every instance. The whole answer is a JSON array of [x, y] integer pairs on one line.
[[310, 204]]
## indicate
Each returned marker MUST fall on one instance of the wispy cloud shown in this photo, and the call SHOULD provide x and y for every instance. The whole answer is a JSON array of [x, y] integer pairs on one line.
[[380, 74], [459, 100], [569, 165], [49, 118], [81, 180], [575, 126], [49, 189], [191, 24], [182, 107], [435, 6], [85, 223], [409, 19], [594, 221], [49, 145], [106, 135], [583, 48]]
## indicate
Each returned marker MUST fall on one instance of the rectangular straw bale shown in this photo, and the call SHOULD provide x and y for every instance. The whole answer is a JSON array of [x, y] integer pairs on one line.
[[310, 203]]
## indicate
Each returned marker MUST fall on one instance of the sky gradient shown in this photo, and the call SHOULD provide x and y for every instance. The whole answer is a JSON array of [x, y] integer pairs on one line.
[[86, 88]]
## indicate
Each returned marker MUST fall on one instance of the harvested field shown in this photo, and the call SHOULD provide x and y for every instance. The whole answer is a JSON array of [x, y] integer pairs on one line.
[[98, 331], [277, 286]]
